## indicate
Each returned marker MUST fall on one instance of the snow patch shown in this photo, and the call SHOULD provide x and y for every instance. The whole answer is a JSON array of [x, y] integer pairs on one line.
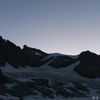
[[9, 85], [8, 68]]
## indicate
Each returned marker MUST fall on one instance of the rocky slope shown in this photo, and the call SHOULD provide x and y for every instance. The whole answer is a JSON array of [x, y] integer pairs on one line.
[[29, 71]]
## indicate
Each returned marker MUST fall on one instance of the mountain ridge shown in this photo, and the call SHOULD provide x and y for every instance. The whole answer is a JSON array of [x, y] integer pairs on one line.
[[31, 72], [27, 56]]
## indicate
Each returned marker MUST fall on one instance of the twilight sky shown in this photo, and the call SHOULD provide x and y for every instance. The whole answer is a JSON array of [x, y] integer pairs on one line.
[[64, 26]]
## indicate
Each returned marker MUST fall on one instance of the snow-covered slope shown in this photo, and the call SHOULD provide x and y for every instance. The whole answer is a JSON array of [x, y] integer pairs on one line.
[[66, 78], [31, 74]]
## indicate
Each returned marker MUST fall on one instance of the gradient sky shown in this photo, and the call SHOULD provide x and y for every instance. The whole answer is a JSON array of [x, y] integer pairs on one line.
[[64, 26]]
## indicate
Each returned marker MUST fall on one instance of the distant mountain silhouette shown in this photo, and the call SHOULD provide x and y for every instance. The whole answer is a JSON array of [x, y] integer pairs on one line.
[[31, 72], [16, 56], [10, 53]]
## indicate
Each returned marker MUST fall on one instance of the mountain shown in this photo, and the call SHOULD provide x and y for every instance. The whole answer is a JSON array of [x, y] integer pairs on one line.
[[29, 74]]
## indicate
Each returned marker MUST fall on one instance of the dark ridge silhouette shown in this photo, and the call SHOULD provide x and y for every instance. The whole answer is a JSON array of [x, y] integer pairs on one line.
[[16, 56], [89, 65]]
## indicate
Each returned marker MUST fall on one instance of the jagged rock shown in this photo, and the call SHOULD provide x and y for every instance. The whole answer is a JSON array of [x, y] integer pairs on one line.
[[16, 56], [41, 82], [80, 87], [31, 59], [21, 89], [5, 79]]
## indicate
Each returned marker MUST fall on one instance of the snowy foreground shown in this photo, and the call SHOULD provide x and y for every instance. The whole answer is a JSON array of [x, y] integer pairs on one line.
[[48, 73], [39, 98], [46, 81]]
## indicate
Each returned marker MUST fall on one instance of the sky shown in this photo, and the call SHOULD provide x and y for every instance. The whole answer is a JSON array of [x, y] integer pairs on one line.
[[64, 26]]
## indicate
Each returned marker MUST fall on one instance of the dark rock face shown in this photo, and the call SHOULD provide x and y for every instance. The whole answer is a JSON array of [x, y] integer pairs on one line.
[[32, 58], [21, 89], [16, 56], [89, 65], [2, 52], [43, 86], [4, 78], [62, 61]]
